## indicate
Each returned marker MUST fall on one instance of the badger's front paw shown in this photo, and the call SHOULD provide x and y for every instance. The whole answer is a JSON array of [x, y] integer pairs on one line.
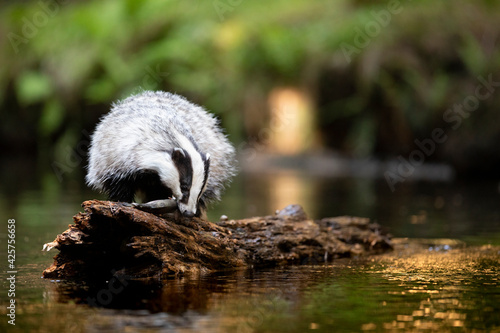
[[157, 206]]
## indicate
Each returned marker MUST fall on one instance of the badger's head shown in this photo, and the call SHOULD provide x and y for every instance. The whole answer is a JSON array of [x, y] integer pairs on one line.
[[192, 171]]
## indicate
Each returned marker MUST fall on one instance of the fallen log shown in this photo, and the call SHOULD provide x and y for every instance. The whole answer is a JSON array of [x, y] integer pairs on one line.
[[111, 238]]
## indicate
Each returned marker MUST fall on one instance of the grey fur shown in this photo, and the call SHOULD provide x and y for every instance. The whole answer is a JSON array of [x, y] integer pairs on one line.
[[151, 123]]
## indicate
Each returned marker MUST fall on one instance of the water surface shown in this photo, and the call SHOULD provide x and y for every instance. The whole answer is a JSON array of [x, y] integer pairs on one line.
[[444, 277]]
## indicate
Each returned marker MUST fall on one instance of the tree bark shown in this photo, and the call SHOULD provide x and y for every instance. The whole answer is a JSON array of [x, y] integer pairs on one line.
[[111, 238]]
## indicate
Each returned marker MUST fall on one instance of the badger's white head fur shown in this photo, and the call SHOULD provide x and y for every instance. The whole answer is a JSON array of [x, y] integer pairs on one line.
[[190, 180]]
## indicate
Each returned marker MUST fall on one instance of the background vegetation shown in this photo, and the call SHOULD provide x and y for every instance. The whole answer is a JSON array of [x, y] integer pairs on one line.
[[64, 62]]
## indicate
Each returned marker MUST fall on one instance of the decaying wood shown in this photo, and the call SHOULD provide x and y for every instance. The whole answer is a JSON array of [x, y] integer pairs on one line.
[[110, 237]]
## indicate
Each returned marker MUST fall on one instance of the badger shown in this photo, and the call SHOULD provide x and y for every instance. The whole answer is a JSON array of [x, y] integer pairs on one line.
[[162, 146]]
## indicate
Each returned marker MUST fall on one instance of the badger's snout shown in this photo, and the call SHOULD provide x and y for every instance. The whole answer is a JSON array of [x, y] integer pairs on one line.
[[188, 213], [186, 210]]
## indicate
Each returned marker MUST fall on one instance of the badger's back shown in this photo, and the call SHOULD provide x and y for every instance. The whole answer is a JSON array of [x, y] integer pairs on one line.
[[154, 122]]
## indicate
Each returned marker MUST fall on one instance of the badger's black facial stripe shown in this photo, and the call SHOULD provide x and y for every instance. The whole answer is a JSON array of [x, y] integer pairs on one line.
[[206, 161], [182, 161]]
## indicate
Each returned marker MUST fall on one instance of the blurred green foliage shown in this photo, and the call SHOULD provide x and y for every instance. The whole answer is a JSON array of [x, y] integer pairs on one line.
[[382, 73]]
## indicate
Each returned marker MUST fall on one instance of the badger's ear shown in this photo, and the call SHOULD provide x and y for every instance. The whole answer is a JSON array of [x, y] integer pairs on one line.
[[207, 157], [178, 154]]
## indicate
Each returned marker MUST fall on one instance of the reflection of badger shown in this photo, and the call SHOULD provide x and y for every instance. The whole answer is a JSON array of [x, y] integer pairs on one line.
[[163, 146]]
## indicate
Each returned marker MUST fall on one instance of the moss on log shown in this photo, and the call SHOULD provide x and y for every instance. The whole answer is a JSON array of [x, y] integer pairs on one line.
[[110, 237]]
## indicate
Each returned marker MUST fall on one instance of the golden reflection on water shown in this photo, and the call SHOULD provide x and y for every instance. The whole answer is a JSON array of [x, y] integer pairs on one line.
[[438, 286], [446, 276]]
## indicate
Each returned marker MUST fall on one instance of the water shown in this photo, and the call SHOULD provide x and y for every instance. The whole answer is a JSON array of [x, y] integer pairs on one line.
[[428, 283]]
